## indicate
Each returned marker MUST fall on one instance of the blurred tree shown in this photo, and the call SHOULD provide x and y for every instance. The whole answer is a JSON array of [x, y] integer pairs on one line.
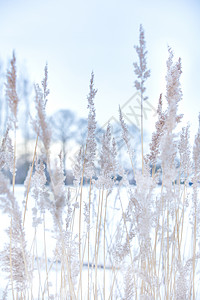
[[81, 131], [24, 93], [63, 128]]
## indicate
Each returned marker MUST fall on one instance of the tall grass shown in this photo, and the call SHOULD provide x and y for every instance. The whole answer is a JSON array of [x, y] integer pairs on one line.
[[111, 240]]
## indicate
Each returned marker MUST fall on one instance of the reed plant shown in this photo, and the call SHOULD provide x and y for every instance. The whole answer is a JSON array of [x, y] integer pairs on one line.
[[111, 239]]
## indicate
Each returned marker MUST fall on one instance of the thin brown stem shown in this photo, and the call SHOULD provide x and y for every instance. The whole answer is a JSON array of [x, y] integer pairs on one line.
[[29, 182], [89, 242], [11, 272], [142, 133]]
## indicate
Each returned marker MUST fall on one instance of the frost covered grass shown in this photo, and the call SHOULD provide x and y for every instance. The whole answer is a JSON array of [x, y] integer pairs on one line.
[[103, 238]]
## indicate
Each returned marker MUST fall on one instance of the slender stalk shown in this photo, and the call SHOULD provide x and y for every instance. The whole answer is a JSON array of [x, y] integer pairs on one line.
[[104, 246], [89, 243], [80, 217], [167, 250], [56, 278], [13, 184], [129, 245], [11, 272], [183, 213], [65, 259], [29, 183], [24, 258], [111, 290], [81, 267], [38, 269], [14, 163], [142, 132], [97, 245], [194, 254], [45, 254]]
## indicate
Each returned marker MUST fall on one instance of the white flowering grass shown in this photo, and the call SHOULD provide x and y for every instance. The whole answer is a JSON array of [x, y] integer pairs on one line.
[[103, 238]]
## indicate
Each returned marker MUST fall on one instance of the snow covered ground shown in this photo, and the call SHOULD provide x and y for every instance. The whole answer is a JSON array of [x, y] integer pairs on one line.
[[54, 281], [40, 289]]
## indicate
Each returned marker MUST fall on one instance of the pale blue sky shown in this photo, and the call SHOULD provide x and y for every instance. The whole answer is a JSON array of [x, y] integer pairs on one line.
[[76, 37]]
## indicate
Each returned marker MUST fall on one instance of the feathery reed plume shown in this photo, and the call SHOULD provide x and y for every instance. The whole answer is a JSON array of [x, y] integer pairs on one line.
[[59, 190], [41, 128], [142, 73], [156, 136], [173, 90], [39, 193], [40, 123], [11, 93], [14, 251], [129, 292], [12, 98], [168, 143], [125, 134], [108, 163], [185, 152], [6, 198], [21, 262], [141, 69], [90, 141], [78, 167], [69, 210], [182, 282], [46, 91], [7, 152]]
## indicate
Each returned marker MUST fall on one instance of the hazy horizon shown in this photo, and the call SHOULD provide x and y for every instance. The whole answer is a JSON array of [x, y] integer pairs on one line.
[[78, 37]]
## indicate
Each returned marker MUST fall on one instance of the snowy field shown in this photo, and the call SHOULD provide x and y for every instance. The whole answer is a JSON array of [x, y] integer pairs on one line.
[[114, 280], [39, 288]]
